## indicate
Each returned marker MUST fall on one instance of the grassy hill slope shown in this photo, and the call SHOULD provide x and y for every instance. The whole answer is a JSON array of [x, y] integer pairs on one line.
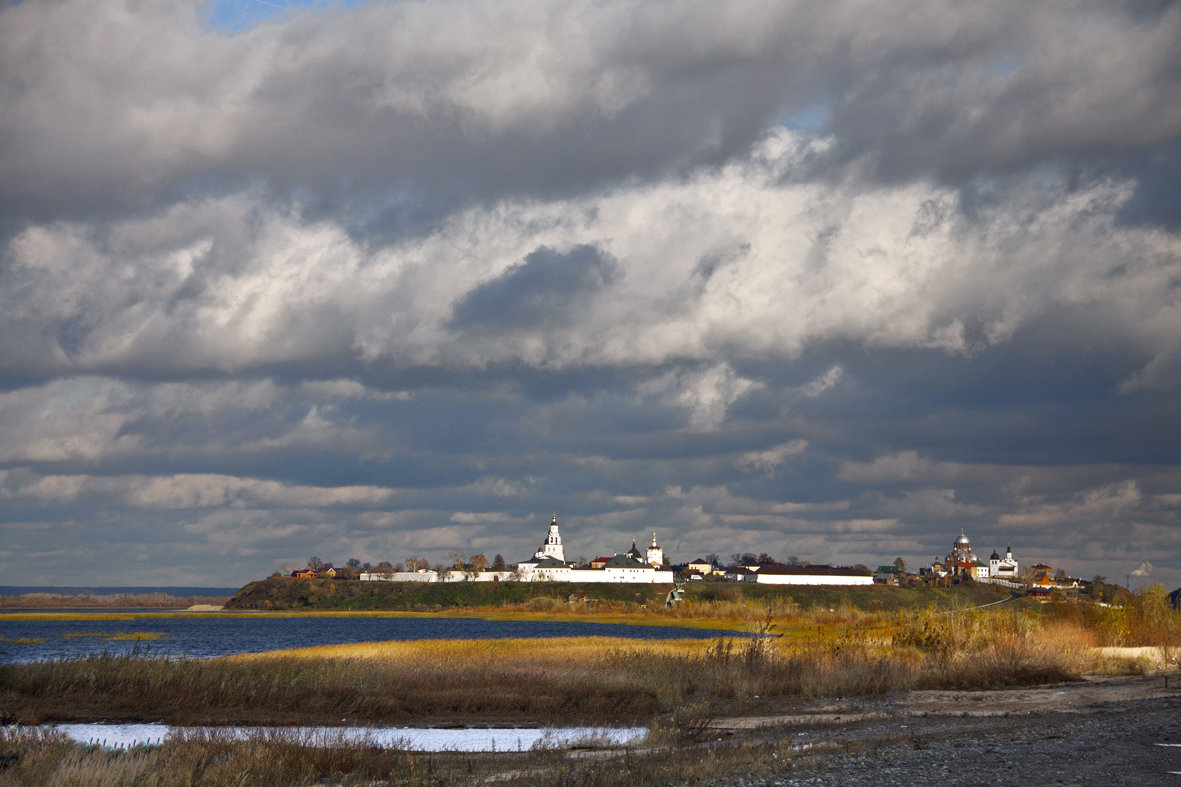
[[286, 593]]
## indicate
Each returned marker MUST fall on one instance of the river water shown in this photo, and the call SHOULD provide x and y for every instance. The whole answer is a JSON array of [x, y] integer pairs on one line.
[[219, 634]]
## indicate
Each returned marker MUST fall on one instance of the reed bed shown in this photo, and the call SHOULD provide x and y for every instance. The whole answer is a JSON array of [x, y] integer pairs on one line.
[[38, 757]]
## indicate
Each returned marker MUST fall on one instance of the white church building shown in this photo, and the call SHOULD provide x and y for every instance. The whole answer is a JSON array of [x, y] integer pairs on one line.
[[549, 564], [962, 560]]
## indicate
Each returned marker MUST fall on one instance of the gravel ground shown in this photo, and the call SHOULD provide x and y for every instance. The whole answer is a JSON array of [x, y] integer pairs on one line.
[[1106, 743]]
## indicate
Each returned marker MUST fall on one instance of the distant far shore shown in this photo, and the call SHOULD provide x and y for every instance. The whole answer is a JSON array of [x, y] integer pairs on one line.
[[15, 597], [112, 590]]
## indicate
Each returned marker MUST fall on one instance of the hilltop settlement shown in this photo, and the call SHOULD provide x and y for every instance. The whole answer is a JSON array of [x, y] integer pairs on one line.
[[650, 566]]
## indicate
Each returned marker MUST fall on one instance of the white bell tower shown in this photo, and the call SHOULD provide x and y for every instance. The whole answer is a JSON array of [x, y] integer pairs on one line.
[[655, 553], [553, 544]]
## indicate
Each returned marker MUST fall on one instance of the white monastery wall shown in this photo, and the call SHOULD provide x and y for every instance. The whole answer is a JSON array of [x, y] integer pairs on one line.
[[808, 579]]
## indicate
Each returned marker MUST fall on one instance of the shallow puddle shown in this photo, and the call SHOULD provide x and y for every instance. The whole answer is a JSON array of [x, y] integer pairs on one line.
[[126, 736]]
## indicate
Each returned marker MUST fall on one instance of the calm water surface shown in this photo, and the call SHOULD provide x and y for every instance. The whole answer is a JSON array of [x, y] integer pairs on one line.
[[199, 635], [124, 736]]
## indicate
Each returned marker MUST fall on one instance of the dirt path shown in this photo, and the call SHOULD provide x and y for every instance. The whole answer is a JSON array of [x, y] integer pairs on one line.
[[1097, 731]]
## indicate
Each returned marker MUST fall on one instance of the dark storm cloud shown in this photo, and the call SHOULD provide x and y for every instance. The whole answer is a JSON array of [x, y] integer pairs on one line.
[[537, 293]]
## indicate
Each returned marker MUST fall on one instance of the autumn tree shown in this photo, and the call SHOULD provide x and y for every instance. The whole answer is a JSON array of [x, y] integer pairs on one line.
[[478, 563]]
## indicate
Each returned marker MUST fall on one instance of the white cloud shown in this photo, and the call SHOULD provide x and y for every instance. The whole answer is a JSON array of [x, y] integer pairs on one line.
[[722, 262], [769, 460]]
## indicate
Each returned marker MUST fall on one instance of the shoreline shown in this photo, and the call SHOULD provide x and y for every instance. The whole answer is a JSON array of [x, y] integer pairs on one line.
[[612, 618]]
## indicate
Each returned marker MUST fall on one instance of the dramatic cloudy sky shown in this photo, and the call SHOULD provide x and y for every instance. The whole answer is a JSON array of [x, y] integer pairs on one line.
[[385, 279]]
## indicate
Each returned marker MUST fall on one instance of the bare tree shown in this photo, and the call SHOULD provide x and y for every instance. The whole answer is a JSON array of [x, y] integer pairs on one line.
[[353, 562], [498, 562], [479, 563], [315, 563]]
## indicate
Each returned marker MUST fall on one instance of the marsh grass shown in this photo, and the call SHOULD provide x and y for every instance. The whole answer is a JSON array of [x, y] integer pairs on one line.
[[678, 687], [838, 652], [39, 757]]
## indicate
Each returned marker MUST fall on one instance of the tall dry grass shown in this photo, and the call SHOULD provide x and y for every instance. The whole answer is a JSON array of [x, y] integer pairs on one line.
[[986, 649], [38, 757]]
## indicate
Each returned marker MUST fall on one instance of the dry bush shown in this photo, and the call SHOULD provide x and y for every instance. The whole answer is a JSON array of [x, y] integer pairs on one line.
[[1145, 620], [976, 648]]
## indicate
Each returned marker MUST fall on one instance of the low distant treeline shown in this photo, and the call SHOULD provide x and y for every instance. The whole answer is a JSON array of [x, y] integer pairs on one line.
[[90, 600]]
